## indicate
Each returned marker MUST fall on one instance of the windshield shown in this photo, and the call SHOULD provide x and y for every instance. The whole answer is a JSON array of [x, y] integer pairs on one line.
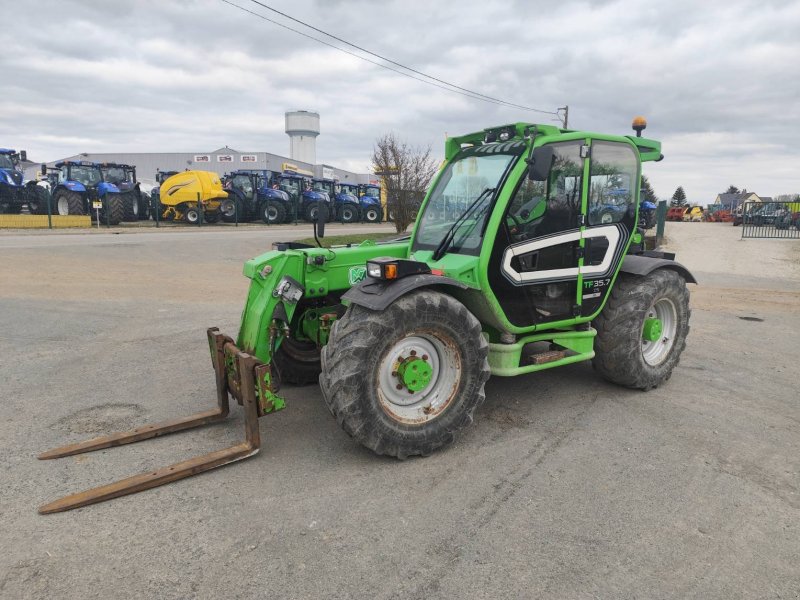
[[113, 174], [464, 191], [348, 189], [371, 191], [87, 175], [6, 161]]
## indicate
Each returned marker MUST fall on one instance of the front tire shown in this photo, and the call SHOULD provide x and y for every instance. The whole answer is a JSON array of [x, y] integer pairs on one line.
[[372, 215], [68, 203], [404, 381], [297, 362], [273, 213], [642, 330], [130, 204], [115, 205], [347, 213]]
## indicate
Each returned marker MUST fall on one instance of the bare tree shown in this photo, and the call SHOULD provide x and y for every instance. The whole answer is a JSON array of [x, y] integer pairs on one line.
[[407, 172]]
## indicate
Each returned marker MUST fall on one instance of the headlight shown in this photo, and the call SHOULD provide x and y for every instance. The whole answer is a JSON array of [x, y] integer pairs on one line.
[[388, 268]]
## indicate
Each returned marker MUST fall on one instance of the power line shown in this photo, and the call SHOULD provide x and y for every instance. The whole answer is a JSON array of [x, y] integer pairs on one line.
[[458, 90], [338, 39]]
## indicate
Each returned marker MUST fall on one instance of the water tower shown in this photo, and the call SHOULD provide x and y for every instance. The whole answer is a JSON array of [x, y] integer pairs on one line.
[[302, 127]]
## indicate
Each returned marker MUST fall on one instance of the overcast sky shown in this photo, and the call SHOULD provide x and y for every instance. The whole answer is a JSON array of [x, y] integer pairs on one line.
[[719, 81]]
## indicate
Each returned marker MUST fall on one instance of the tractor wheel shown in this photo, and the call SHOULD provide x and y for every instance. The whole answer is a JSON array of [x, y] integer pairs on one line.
[[115, 205], [347, 213], [311, 212], [404, 381], [273, 213], [228, 209], [68, 203], [130, 206], [297, 362], [37, 200], [372, 215], [642, 329]]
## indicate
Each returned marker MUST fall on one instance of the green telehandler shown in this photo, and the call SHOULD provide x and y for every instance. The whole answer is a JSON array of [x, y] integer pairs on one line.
[[509, 270]]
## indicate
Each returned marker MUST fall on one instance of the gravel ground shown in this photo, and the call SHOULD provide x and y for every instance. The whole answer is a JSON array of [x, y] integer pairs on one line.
[[565, 487]]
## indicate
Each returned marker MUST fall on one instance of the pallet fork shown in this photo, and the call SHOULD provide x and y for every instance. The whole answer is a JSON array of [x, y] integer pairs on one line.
[[237, 373]]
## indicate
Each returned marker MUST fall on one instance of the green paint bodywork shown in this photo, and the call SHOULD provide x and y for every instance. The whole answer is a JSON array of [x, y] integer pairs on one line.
[[415, 373], [323, 284], [652, 330]]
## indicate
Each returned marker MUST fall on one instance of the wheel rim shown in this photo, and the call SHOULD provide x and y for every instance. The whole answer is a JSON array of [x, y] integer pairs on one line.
[[418, 378], [372, 215], [228, 209], [63, 206], [347, 214], [272, 213], [313, 214], [655, 351], [192, 216]]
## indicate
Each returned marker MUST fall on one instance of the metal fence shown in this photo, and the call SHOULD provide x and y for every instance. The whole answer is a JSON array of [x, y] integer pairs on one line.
[[769, 220]]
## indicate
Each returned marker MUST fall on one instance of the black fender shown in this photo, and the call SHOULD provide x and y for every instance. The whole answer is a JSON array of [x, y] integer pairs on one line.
[[376, 294], [644, 265]]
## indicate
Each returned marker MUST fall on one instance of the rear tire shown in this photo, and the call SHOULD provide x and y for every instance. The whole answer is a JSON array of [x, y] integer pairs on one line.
[[373, 401], [297, 362], [273, 213], [37, 200], [130, 204], [623, 356], [115, 205]]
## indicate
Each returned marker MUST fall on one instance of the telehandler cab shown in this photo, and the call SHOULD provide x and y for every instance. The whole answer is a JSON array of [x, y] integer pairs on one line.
[[403, 335]]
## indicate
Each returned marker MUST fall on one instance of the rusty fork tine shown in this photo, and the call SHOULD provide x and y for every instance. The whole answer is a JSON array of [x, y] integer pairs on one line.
[[136, 435], [183, 469], [145, 481]]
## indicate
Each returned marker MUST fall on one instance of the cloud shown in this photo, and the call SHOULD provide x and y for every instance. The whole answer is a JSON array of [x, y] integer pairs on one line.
[[717, 80]]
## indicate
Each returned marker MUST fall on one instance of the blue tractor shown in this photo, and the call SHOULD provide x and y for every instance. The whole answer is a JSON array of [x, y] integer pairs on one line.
[[124, 177], [77, 184], [369, 198], [254, 194], [305, 200], [344, 205], [14, 191]]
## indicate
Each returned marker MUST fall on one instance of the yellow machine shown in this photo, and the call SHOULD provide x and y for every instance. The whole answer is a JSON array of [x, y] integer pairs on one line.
[[179, 195], [695, 213]]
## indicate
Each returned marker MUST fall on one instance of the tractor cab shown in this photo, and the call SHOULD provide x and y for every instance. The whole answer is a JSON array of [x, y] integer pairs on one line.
[[305, 200], [123, 176], [539, 216]]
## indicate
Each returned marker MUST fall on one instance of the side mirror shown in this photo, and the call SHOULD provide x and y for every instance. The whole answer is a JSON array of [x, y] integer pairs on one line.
[[322, 218], [23, 156], [44, 169], [540, 162]]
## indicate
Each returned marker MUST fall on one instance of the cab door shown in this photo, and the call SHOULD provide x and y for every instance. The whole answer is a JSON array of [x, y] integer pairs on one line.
[[562, 240], [612, 199], [535, 261]]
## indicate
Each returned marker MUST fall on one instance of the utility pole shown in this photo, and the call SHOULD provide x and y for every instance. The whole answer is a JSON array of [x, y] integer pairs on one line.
[[566, 115]]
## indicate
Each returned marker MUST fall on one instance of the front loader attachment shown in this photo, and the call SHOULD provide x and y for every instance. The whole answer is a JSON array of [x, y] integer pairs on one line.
[[237, 373]]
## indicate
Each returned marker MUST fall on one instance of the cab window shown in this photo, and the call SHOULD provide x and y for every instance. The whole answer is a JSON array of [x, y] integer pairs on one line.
[[612, 190]]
